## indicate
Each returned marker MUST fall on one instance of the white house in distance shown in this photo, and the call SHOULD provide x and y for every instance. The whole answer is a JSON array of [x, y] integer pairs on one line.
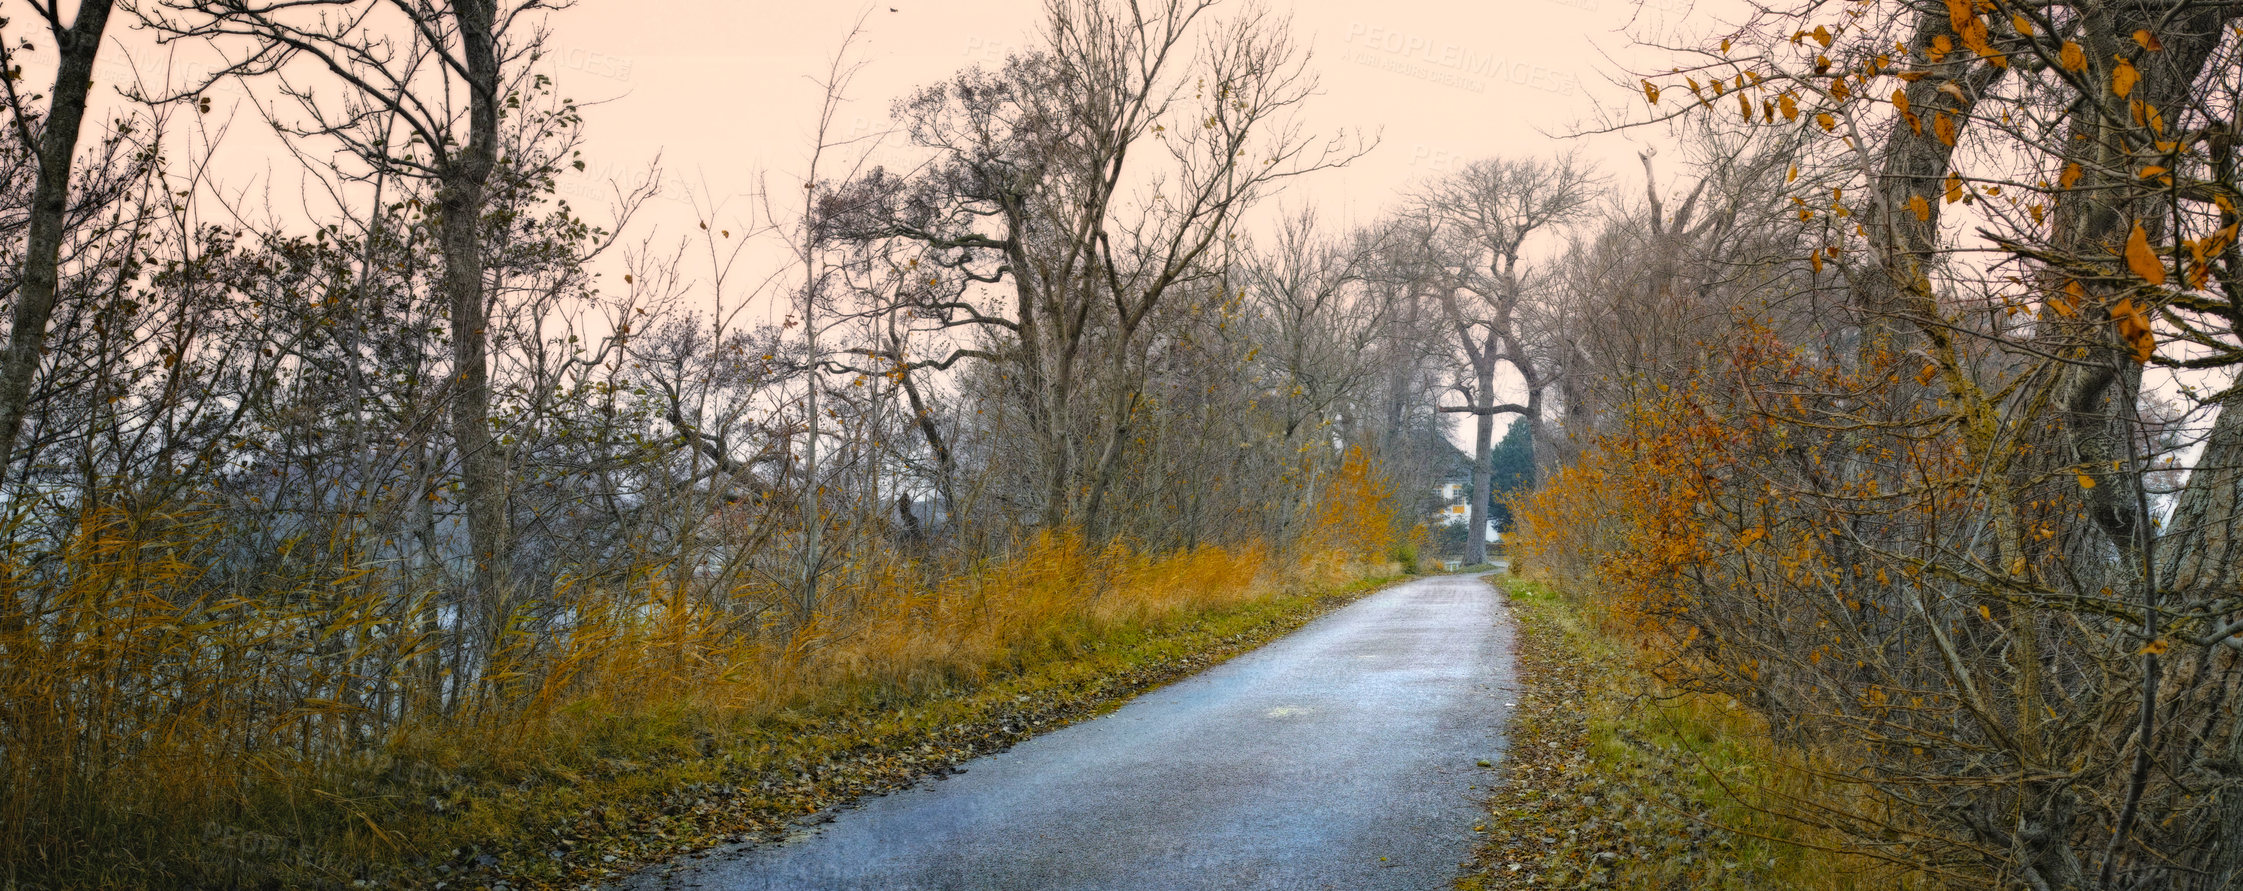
[[1456, 506]]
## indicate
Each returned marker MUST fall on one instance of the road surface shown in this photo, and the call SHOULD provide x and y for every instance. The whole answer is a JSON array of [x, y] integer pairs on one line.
[[1345, 756]]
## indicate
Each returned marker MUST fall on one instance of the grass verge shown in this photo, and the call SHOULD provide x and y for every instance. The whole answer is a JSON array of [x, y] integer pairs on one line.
[[662, 784], [1615, 780]]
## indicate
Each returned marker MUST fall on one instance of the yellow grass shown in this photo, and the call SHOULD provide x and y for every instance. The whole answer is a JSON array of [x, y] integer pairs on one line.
[[156, 731]]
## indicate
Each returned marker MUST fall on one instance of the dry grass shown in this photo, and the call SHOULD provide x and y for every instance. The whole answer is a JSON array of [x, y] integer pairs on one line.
[[1618, 780], [157, 731]]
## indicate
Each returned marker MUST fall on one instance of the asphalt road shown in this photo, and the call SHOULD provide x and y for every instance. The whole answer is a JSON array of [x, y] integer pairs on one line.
[[1342, 756]]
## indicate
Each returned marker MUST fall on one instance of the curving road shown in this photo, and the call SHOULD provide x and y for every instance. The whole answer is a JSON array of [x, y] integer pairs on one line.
[[1342, 756]]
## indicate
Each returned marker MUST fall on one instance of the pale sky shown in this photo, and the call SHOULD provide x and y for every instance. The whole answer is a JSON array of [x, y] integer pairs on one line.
[[723, 89]]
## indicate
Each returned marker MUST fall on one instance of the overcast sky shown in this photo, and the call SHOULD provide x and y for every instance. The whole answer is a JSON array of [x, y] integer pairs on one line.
[[722, 90]]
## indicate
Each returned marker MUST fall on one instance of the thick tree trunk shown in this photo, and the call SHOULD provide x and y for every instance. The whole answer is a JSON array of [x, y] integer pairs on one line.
[[463, 185], [1483, 441], [50, 203]]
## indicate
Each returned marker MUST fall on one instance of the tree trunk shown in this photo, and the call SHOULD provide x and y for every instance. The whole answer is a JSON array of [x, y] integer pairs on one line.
[[464, 181], [1483, 441], [50, 203]]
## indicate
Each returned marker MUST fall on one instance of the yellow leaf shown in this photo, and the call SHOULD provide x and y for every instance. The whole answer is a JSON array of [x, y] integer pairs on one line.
[[2152, 170], [2134, 327], [2124, 77], [1651, 92], [1900, 101], [2147, 115], [2143, 260], [2072, 57], [2070, 176], [1828, 123], [2156, 647], [1790, 109], [2086, 482], [2022, 24], [2148, 41], [1921, 207], [1814, 260], [1954, 188], [1744, 106], [1822, 36], [1944, 126], [1793, 176], [1985, 613]]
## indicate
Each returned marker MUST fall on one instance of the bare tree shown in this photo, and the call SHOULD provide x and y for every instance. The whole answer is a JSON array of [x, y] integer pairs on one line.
[[1475, 224]]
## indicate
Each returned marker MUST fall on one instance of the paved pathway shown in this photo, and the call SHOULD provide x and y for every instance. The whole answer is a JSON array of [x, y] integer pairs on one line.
[[1297, 766]]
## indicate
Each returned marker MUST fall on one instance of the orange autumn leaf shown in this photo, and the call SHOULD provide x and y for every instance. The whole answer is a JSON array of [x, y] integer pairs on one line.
[[2124, 77], [1828, 123], [2141, 259], [1651, 92], [2134, 327], [1921, 207], [2072, 57]]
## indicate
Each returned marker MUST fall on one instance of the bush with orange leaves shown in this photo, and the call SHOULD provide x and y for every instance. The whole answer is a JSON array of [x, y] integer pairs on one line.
[[1888, 580]]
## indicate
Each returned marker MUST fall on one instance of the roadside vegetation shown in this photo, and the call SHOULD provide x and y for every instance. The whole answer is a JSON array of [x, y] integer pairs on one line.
[[452, 524], [668, 765], [1617, 779]]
